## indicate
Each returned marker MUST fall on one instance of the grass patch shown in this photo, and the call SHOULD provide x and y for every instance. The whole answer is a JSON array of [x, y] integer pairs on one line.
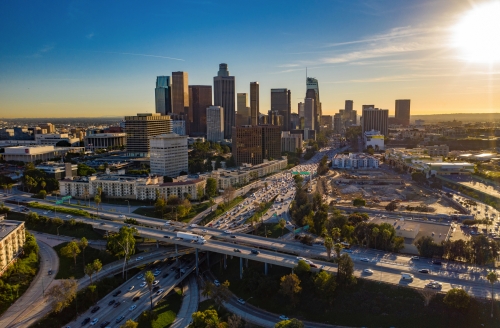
[[166, 311], [152, 212], [73, 211], [367, 303], [221, 208], [67, 267], [85, 299], [16, 280], [45, 225], [273, 230]]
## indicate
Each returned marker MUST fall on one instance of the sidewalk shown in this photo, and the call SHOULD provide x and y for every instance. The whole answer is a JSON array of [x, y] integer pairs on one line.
[[189, 304]]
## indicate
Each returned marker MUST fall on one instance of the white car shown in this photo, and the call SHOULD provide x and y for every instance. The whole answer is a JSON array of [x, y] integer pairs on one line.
[[94, 322], [131, 288], [139, 258], [142, 284], [140, 276], [241, 301], [132, 308], [216, 283], [121, 216], [227, 231], [368, 271], [283, 317], [156, 282], [204, 230], [159, 292], [69, 216], [194, 225]]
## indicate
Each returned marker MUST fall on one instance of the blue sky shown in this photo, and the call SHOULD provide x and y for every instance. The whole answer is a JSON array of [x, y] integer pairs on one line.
[[101, 58]]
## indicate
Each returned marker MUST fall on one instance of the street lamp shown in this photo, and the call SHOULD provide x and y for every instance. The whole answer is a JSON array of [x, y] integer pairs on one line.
[[58, 229]]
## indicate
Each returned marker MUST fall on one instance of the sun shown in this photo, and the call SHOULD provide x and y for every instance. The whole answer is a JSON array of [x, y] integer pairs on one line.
[[477, 34]]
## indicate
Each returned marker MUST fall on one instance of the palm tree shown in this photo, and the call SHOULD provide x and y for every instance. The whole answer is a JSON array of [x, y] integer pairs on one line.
[[282, 224], [338, 248], [150, 278], [207, 289], [335, 234], [375, 232], [83, 244], [328, 246], [97, 201], [492, 278], [97, 264], [89, 270]]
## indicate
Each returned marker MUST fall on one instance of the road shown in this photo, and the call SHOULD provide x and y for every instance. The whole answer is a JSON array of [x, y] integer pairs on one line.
[[28, 308], [189, 304], [130, 290]]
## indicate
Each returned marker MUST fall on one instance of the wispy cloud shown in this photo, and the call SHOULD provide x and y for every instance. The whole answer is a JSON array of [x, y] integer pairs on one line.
[[39, 53], [90, 36], [143, 55], [289, 65]]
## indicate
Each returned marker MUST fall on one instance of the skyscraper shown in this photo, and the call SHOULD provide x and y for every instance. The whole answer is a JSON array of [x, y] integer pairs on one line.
[[309, 121], [403, 111], [254, 103], [215, 123], [180, 93], [200, 98], [349, 105], [280, 102], [163, 98], [141, 128], [313, 93], [243, 110], [224, 96], [350, 115], [375, 119], [301, 109], [253, 144]]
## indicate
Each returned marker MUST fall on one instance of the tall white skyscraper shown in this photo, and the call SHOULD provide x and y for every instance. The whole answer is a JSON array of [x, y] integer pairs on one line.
[[215, 123]]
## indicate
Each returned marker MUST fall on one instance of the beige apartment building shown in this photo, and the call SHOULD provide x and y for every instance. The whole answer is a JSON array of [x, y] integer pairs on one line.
[[12, 237]]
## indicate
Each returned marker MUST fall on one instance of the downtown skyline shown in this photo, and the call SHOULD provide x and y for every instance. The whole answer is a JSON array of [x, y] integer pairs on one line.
[[94, 59]]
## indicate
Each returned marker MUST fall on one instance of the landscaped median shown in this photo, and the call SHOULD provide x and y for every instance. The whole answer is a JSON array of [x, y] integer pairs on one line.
[[59, 209], [221, 208]]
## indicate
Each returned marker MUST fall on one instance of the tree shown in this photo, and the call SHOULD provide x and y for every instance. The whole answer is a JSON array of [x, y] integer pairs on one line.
[[358, 202], [338, 248], [71, 250], [375, 232], [62, 294], [228, 194], [345, 271], [42, 194], [160, 205], [30, 182], [328, 245], [290, 286], [335, 233], [89, 271], [221, 294], [457, 298], [83, 244], [123, 244], [492, 277], [206, 319], [150, 278], [418, 177], [97, 201], [130, 324], [97, 265], [324, 284], [43, 184], [392, 206], [30, 244], [234, 321], [200, 192], [427, 294], [207, 289], [292, 323], [282, 224]]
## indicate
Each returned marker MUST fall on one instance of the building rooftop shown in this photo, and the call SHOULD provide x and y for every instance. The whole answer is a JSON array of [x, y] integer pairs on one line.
[[7, 226]]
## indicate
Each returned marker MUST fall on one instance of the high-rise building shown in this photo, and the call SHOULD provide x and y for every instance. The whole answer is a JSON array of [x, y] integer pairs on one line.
[[215, 123], [313, 93], [169, 155], [224, 96], [280, 102], [254, 103], [200, 98], [180, 93], [290, 142], [363, 107], [163, 97], [403, 111], [349, 105], [375, 119], [309, 121], [327, 121], [338, 123], [141, 128], [253, 144], [243, 110], [301, 109], [294, 121], [350, 115], [274, 118]]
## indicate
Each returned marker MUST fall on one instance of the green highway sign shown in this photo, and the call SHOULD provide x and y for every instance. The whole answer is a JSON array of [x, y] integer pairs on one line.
[[58, 202], [66, 198]]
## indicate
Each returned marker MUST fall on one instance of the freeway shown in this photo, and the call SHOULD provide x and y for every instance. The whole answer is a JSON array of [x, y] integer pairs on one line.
[[130, 299]]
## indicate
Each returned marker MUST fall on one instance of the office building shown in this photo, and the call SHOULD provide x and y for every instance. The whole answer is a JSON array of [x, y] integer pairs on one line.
[[224, 96], [441, 150], [375, 119], [327, 122], [130, 187], [200, 98], [180, 93], [309, 121], [179, 126], [243, 110], [55, 138], [281, 103], [58, 170], [338, 123], [313, 93], [169, 155], [163, 97], [403, 111], [253, 144], [254, 103], [301, 109], [350, 115], [274, 118], [349, 105], [141, 128], [105, 140], [363, 107], [294, 121], [374, 139], [34, 153], [215, 123], [290, 142], [12, 238]]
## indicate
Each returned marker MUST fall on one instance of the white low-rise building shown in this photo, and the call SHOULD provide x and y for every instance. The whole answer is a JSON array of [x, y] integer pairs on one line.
[[374, 139], [30, 154], [355, 161], [54, 138], [127, 187]]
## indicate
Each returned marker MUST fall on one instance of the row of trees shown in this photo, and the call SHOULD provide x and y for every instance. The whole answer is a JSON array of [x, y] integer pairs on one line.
[[176, 207], [478, 250], [35, 180]]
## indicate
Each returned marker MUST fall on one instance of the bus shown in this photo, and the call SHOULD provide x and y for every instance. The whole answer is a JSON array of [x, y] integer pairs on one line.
[[345, 245]]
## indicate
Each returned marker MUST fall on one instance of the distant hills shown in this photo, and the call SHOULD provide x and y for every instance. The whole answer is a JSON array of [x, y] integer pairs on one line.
[[469, 117]]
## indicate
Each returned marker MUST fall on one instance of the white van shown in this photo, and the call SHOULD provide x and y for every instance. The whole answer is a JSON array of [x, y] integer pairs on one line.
[[407, 276]]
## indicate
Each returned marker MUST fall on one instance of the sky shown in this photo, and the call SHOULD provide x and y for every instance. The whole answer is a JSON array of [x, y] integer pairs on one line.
[[101, 58]]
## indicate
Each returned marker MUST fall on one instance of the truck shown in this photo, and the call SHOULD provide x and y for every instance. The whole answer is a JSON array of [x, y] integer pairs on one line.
[[191, 237]]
